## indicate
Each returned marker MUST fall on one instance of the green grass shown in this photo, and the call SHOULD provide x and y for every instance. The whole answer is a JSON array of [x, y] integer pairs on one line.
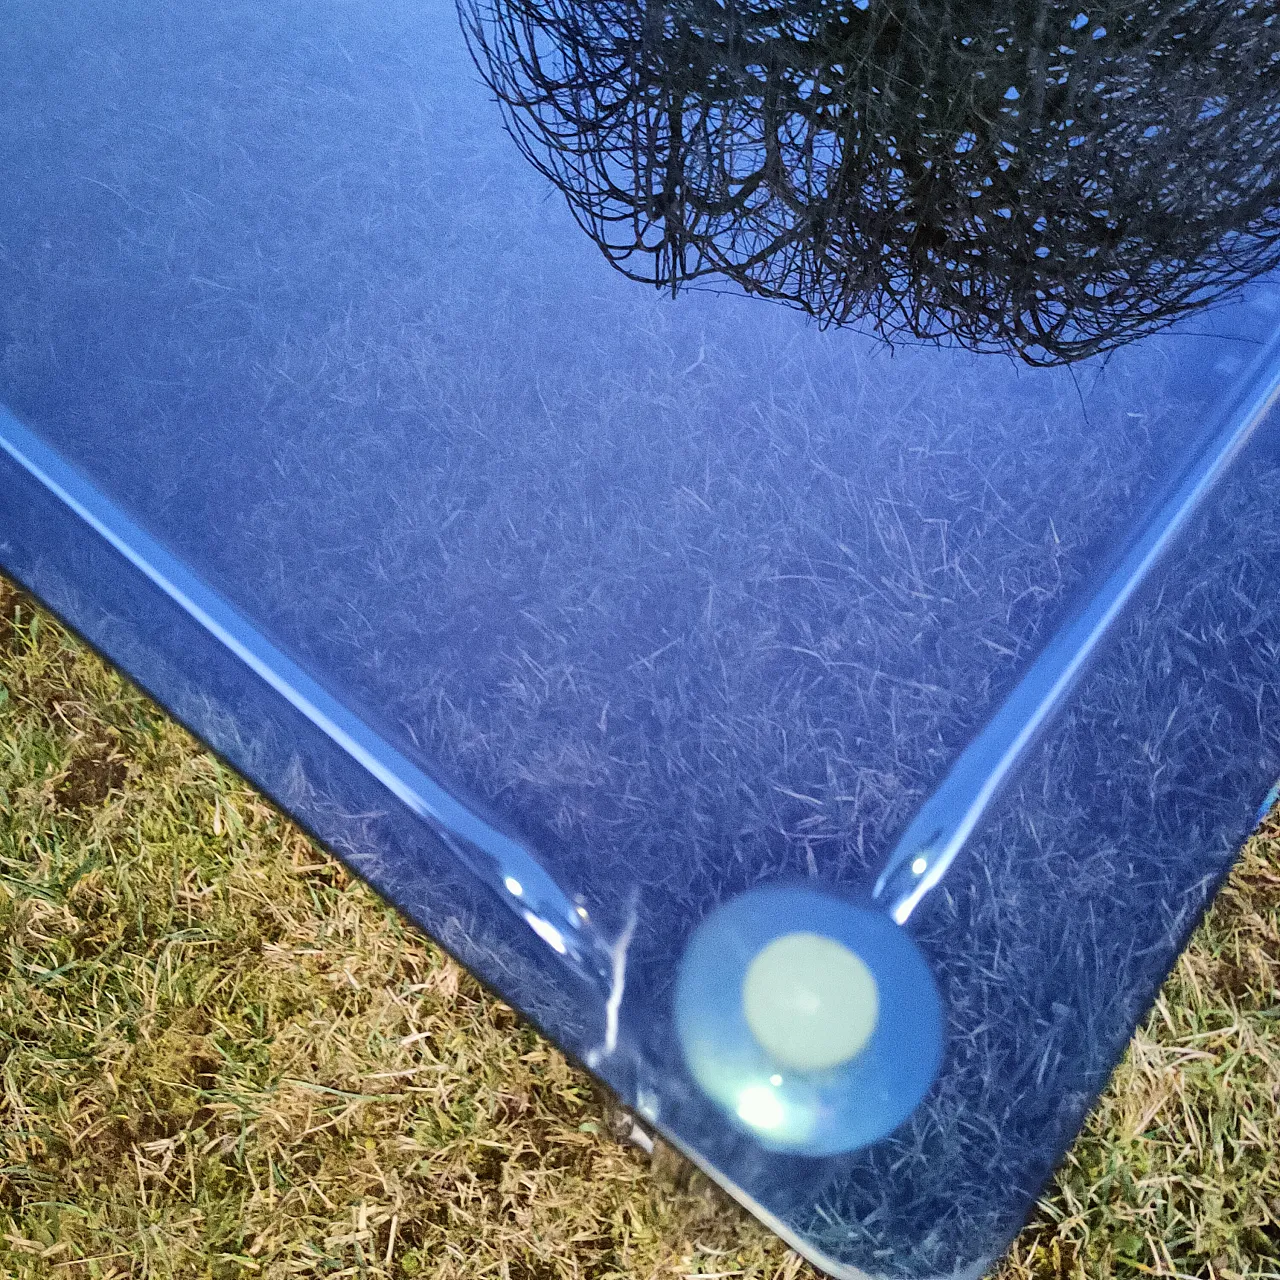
[[222, 1056]]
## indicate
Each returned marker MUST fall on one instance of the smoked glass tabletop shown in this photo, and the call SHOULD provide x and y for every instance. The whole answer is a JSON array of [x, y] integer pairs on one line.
[[754, 525]]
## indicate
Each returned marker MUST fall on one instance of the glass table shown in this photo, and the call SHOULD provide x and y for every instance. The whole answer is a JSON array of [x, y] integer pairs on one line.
[[752, 525]]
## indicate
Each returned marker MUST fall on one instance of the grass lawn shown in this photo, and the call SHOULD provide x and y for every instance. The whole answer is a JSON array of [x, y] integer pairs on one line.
[[222, 1056]]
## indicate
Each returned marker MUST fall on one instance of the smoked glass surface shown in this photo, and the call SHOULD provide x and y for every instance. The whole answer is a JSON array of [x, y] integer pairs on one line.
[[753, 524]]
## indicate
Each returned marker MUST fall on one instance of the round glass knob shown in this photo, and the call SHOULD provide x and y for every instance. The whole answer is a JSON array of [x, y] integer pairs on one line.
[[811, 1020]]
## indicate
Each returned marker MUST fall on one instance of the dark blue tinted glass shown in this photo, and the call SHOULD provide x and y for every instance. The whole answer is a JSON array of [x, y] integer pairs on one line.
[[752, 524]]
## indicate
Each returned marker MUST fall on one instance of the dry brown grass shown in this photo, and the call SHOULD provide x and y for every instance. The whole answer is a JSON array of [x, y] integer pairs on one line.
[[220, 1055]]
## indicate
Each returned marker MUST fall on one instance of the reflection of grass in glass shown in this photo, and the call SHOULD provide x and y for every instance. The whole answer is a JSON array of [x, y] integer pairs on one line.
[[568, 538], [223, 1057], [675, 615], [1090, 873], [667, 623]]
